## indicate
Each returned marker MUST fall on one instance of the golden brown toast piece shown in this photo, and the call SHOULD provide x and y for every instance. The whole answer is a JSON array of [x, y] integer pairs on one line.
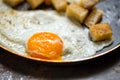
[[13, 2], [88, 4], [77, 12], [35, 3], [60, 5], [100, 32], [94, 17], [47, 2]]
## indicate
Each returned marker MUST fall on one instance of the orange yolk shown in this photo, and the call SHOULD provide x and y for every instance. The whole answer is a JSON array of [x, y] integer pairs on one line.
[[45, 45]]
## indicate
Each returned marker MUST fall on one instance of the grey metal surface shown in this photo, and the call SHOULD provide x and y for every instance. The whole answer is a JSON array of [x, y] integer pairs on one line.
[[107, 67], [13, 67]]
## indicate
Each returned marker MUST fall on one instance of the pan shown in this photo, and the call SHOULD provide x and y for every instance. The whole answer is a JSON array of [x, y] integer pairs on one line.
[[111, 9]]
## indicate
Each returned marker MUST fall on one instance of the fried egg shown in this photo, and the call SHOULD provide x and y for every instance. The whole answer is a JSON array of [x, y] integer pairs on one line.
[[18, 27]]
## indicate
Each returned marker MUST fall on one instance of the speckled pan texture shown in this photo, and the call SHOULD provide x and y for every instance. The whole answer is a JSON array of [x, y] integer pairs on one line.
[[112, 16], [111, 9]]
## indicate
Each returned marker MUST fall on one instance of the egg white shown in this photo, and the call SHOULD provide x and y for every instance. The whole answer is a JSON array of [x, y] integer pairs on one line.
[[3, 6], [16, 27]]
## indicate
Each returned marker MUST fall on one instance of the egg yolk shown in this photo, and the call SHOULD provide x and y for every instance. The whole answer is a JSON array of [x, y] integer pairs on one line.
[[45, 45]]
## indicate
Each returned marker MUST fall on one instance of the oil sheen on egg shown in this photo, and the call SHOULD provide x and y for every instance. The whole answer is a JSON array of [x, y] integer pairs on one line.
[[16, 27]]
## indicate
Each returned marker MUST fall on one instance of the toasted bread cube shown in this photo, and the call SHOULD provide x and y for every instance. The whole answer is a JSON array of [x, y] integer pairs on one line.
[[73, 1], [100, 32], [35, 3], [77, 12], [60, 5], [13, 2], [47, 2], [88, 4], [94, 17]]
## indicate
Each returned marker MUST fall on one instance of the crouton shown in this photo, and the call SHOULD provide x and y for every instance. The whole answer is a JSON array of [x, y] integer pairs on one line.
[[88, 4], [76, 12], [13, 2], [35, 3], [60, 5], [100, 32], [47, 2], [94, 17]]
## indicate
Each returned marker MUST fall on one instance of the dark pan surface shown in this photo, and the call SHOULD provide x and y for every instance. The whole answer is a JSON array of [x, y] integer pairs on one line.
[[112, 16]]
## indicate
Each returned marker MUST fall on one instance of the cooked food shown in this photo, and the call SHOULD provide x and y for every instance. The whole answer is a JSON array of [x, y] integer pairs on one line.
[[88, 4], [19, 28], [45, 34], [100, 32], [94, 17], [13, 2], [35, 3], [77, 12], [73, 1], [60, 5], [44, 44], [47, 2]]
